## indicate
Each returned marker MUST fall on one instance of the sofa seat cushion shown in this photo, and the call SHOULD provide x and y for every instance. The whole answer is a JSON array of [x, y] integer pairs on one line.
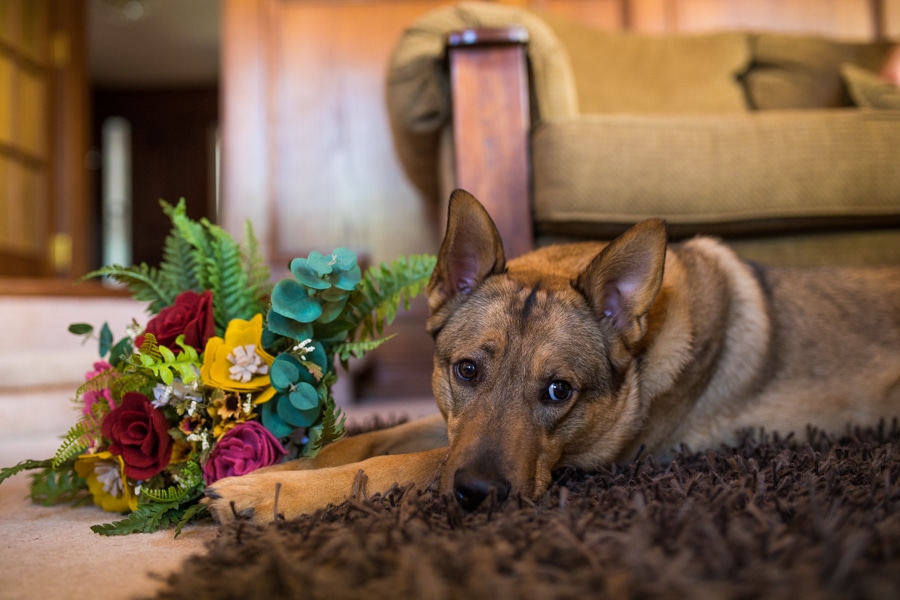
[[725, 174]]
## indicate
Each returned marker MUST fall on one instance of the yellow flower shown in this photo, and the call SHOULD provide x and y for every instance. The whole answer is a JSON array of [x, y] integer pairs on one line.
[[239, 363], [105, 474]]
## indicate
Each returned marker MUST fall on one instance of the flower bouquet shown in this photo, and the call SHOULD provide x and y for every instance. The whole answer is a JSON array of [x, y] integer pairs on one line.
[[230, 374]]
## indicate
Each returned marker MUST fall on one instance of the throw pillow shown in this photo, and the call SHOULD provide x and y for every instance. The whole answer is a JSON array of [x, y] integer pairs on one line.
[[868, 89]]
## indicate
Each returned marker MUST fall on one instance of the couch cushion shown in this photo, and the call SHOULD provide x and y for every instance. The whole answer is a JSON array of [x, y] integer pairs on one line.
[[789, 71], [746, 173], [868, 89], [640, 74]]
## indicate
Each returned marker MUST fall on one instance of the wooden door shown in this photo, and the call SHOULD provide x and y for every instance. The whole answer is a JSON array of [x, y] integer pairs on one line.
[[43, 125]]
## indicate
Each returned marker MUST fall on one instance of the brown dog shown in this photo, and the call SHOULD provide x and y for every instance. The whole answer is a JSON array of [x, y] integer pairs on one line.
[[581, 354]]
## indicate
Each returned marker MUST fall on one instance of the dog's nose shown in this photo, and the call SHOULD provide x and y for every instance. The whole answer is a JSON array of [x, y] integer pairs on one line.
[[471, 488]]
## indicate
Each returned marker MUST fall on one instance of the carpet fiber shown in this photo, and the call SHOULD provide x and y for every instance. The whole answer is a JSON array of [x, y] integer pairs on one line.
[[817, 517]]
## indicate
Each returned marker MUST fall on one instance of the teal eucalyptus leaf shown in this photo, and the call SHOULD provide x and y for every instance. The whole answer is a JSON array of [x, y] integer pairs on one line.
[[307, 274], [294, 416], [274, 423], [304, 397], [280, 325], [285, 372], [290, 299]]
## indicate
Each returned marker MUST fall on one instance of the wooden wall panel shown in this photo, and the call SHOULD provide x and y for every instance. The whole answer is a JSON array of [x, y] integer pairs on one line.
[[840, 18], [325, 173], [604, 14]]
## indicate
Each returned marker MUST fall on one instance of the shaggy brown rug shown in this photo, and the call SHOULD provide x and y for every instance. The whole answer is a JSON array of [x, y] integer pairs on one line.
[[770, 518]]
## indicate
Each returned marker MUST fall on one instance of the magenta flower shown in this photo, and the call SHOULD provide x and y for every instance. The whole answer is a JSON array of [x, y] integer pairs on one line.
[[246, 447]]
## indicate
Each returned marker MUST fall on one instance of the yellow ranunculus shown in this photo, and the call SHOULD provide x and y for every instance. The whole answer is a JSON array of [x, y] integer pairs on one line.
[[219, 359], [105, 474]]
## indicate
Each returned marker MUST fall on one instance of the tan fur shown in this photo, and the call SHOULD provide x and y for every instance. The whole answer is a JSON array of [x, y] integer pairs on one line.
[[657, 346]]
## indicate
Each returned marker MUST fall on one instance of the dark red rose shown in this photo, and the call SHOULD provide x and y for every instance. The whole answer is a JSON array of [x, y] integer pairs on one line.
[[246, 447], [139, 433], [192, 315]]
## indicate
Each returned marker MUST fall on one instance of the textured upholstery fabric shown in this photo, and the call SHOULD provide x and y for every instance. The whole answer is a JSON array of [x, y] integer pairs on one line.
[[869, 90], [790, 71], [640, 74], [628, 127], [418, 87], [794, 167]]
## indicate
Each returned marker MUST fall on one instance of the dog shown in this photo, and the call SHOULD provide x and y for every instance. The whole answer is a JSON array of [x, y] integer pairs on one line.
[[585, 354]]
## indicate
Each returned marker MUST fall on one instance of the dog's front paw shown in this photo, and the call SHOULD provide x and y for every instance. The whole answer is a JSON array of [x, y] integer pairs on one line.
[[252, 497]]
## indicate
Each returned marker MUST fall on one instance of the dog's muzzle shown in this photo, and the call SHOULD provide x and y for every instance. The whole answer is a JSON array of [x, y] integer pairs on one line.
[[472, 485]]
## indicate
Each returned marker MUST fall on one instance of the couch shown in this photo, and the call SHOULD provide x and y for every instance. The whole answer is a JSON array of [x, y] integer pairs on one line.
[[787, 146]]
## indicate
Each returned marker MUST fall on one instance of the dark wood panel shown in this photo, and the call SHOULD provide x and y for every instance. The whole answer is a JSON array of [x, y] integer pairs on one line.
[[172, 156]]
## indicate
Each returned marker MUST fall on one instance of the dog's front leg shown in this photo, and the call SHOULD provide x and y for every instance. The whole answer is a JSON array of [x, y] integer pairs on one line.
[[253, 496], [426, 433]]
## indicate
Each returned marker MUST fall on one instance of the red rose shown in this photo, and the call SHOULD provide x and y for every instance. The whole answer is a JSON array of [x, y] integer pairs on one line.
[[245, 448], [140, 434], [192, 315]]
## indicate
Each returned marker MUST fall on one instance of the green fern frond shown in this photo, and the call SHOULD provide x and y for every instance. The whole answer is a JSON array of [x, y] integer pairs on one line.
[[150, 347], [25, 465], [98, 383], [145, 283], [179, 264], [330, 428], [384, 290], [356, 349], [59, 485], [78, 439], [255, 266], [190, 478], [194, 234], [233, 297], [195, 511], [131, 382], [147, 518]]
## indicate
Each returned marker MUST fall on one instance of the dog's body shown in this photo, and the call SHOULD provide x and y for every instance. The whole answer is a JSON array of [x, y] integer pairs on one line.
[[582, 354]]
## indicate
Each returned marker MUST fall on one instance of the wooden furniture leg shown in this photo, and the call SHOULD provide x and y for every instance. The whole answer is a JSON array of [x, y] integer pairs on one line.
[[491, 122]]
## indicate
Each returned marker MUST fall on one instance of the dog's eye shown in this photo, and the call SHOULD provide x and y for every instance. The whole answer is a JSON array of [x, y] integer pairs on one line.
[[559, 391], [465, 370]]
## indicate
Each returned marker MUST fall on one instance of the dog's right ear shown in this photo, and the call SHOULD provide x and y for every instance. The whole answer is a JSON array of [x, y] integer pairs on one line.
[[472, 250], [622, 282]]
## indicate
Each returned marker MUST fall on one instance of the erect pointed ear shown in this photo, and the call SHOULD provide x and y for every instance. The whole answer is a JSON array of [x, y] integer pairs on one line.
[[471, 250], [624, 279]]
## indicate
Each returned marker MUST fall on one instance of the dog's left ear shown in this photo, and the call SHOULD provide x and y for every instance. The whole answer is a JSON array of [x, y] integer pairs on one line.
[[471, 250], [622, 282]]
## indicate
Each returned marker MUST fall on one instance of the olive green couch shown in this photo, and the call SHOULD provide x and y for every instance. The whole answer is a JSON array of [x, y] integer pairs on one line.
[[787, 146]]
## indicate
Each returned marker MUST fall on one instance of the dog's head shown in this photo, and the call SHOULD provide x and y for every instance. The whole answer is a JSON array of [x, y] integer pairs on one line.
[[536, 359]]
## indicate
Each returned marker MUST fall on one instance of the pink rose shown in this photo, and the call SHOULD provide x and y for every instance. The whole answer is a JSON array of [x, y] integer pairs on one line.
[[140, 434], [192, 315], [245, 448]]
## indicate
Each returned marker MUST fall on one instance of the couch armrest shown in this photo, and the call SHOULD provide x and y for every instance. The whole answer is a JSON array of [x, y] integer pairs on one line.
[[489, 91]]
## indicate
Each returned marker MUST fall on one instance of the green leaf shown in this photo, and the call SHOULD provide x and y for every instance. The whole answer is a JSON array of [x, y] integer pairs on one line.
[[120, 351], [106, 340], [81, 328]]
